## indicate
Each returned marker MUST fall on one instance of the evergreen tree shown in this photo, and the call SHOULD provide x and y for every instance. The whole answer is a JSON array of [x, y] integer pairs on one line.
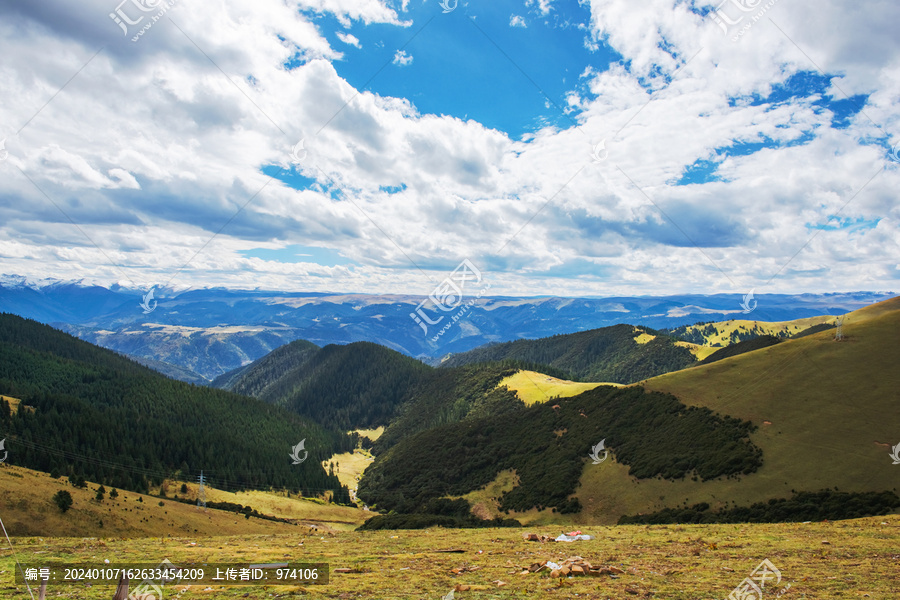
[[63, 500]]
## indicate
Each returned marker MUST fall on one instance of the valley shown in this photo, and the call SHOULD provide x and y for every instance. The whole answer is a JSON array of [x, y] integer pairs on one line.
[[506, 433]]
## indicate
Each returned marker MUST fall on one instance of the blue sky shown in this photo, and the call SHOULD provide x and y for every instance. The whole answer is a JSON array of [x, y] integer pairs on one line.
[[471, 62], [429, 137]]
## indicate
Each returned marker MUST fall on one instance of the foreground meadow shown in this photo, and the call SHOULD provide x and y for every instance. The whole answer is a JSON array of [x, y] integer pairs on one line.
[[847, 559]]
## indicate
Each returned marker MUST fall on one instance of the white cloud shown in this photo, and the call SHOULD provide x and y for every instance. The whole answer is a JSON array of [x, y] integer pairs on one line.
[[517, 21], [151, 150], [542, 6], [367, 11], [402, 58], [348, 38]]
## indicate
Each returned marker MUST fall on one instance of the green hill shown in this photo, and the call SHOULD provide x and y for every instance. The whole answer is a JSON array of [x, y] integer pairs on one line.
[[363, 385], [356, 386], [780, 424], [617, 354], [87, 412], [722, 333], [826, 415]]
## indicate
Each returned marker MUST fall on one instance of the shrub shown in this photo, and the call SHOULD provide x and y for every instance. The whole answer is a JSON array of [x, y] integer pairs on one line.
[[63, 500]]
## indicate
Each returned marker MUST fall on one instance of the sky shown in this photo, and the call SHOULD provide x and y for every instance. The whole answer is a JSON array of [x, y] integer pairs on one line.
[[572, 148]]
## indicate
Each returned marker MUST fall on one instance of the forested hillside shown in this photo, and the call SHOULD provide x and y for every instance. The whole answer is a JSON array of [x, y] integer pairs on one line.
[[548, 446], [356, 386], [451, 395], [88, 412], [611, 354]]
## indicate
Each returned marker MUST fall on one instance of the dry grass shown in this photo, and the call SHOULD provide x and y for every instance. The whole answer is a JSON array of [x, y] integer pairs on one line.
[[349, 466], [674, 562], [372, 434], [532, 387], [724, 329], [27, 508], [699, 352], [643, 338], [13, 403]]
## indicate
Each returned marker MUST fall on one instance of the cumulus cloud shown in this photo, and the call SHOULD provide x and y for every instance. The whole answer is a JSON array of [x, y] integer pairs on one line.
[[161, 147], [402, 58], [348, 38], [542, 6], [517, 21]]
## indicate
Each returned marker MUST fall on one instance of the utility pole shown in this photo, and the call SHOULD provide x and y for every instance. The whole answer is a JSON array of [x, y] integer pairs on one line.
[[201, 493]]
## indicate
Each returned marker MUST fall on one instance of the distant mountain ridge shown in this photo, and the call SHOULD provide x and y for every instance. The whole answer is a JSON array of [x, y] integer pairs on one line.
[[213, 331]]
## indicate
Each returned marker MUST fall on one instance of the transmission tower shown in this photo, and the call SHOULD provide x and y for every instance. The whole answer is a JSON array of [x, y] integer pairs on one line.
[[201, 492], [839, 335]]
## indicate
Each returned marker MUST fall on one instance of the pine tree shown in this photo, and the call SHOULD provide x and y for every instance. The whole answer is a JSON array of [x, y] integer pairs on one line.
[[63, 500]]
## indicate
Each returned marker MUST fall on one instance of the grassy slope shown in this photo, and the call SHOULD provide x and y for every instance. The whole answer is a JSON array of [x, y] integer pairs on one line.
[[699, 352], [349, 466], [722, 337], [675, 562], [27, 509], [13, 403], [832, 409], [532, 387]]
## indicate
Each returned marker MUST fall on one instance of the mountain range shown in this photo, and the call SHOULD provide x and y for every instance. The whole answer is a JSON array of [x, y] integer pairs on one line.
[[198, 335]]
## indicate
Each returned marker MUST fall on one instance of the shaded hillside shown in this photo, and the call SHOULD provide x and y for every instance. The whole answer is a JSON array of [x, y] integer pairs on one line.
[[763, 341], [359, 385], [805, 506], [614, 354], [814, 329], [89, 413], [364, 385], [450, 395], [256, 378], [548, 447]]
